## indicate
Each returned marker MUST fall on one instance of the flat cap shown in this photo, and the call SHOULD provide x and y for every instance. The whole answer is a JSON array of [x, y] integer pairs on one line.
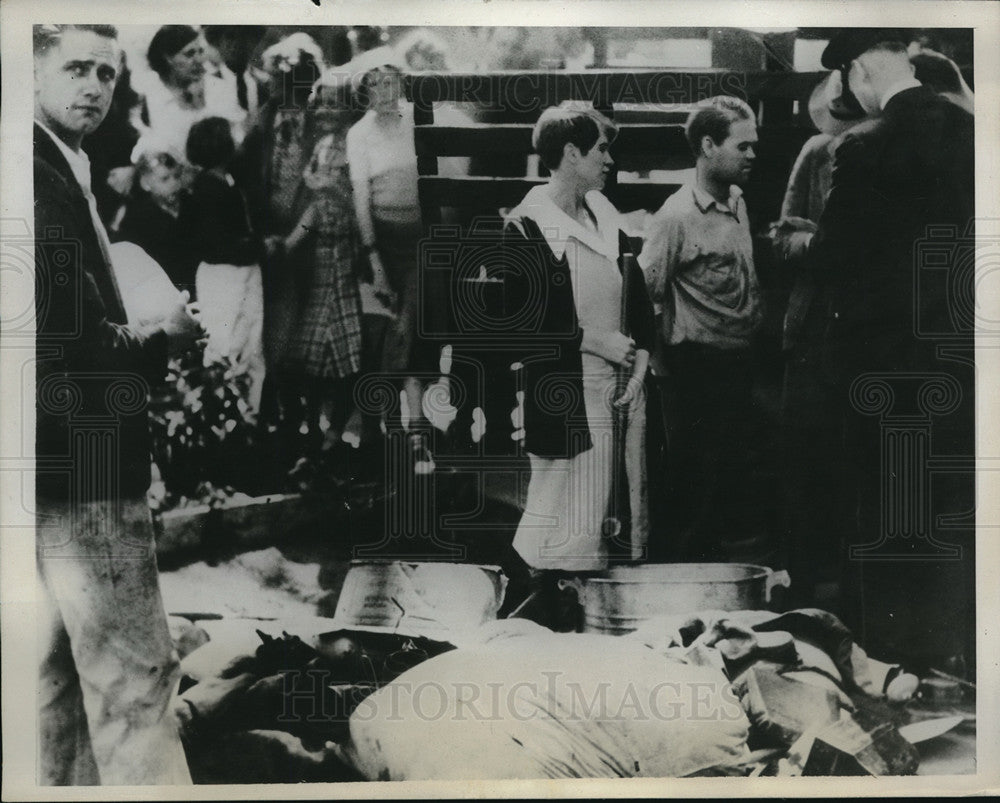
[[850, 43]]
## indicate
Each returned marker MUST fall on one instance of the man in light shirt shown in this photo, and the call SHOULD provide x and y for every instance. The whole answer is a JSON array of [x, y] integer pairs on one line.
[[107, 667], [698, 260]]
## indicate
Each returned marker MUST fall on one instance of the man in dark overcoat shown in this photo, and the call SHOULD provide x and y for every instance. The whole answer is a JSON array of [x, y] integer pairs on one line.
[[894, 259]]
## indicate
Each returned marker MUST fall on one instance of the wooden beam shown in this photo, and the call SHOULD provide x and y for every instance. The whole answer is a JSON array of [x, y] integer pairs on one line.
[[497, 193], [532, 91], [638, 147], [468, 141]]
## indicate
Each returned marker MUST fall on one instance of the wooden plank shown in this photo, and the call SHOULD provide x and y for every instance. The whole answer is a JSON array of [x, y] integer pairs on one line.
[[641, 195], [495, 193], [469, 140], [637, 148], [532, 91], [474, 192]]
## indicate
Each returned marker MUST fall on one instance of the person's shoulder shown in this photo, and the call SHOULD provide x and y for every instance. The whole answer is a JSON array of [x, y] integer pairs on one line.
[[602, 207], [206, 185], [955, 116], [50, 182], [158, 95], [816, 144], [679, 206], [519, 221], [863, 130], [860, 139], [912, 111], [141, 212], [362, 127]]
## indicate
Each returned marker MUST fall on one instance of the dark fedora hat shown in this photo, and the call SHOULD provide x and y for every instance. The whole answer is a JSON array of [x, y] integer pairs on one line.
[[850, 43]]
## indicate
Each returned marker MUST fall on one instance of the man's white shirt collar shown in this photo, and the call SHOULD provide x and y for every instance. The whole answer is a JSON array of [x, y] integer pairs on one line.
[[705, 201]]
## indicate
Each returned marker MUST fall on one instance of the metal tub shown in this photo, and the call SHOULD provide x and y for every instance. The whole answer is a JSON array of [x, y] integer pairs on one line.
[[629, 595]]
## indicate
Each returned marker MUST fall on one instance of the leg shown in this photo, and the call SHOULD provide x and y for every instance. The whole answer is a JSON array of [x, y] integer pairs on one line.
[[685, 457], [814, 476], [65, 757], [365, 424], [105, 585]]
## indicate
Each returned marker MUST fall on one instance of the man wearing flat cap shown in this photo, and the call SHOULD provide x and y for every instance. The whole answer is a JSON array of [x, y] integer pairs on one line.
[[896, 328]]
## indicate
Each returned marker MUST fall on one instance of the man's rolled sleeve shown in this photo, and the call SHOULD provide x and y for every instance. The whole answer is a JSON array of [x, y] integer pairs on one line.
[[658, 259]]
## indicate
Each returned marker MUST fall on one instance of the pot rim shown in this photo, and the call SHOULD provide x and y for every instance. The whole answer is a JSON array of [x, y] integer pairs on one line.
[[755, 573], [390, 561]]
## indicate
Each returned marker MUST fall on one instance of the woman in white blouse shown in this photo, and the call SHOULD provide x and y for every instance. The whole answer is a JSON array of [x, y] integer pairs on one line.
[[383, 166], [184, 91], [568, 239]]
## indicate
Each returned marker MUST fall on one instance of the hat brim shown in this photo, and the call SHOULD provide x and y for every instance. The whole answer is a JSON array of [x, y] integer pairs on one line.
[[822, 101]]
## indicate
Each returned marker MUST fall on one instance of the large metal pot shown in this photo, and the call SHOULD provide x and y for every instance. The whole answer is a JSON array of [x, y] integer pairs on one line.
[[629, 595]]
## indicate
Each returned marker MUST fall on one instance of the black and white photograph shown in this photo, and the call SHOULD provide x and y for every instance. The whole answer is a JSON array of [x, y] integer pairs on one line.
[[477, 399]]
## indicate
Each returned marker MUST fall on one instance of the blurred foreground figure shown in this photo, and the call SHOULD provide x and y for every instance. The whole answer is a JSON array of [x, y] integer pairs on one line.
[[107, 665]]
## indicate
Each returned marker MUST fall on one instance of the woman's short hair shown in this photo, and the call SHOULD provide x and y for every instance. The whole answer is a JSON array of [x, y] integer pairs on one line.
[[560, 126], [363, 93], [712, 118], [210, 143], [166, 43]]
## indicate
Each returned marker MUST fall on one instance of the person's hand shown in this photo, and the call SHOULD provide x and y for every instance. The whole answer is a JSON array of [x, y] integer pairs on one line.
[[194, 310], [793, 223], [182, 329], [634, 387], [791, 236], [380, 284], [120, 179], [631, 393], [614, 347], [273, 245], [795, 245]]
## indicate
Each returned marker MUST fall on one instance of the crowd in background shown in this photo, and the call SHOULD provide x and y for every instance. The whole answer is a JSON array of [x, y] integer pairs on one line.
[[281, 194]]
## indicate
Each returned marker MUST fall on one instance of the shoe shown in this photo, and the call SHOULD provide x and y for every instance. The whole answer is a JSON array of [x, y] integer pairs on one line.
[[353, 430], [423, 460]]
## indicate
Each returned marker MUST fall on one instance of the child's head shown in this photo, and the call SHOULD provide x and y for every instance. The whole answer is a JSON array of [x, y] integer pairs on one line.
[[159, 169], [210, 143], [331, 102]]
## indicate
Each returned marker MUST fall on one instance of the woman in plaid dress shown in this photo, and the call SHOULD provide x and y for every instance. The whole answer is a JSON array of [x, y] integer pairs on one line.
[[324, 353]]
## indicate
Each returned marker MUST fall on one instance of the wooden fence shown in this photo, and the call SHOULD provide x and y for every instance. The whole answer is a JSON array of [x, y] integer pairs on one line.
[[650, 107]]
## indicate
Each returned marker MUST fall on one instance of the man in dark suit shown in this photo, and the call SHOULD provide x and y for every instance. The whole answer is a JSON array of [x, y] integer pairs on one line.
[[107, 664], [896, 348]]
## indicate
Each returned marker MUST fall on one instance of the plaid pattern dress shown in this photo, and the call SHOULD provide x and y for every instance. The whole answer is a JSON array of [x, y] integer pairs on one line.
[[327, 340]]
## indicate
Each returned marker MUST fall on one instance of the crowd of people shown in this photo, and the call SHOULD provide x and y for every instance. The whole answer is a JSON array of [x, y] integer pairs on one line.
[[282, 207], [283, 199]]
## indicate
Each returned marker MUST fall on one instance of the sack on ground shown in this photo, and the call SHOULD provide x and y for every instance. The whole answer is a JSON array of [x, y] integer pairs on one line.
[[548, 705]]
